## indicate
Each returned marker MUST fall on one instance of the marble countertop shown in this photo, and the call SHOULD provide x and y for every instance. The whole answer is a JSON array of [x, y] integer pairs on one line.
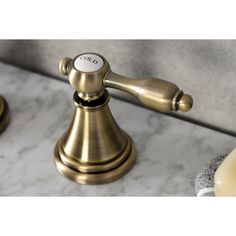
[[170, 151]]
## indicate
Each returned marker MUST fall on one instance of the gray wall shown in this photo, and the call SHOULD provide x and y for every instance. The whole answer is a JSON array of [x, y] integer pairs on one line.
[[204, 68]]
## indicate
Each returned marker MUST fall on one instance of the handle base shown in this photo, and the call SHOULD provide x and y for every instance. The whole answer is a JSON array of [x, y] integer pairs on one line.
[[94, 149], [129, 154]]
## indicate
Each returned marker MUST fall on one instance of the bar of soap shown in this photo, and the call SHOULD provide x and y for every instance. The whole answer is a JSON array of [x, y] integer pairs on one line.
[[225, 176]]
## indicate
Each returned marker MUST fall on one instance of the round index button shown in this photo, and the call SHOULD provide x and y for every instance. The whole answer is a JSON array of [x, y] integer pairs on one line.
[[88, 62]]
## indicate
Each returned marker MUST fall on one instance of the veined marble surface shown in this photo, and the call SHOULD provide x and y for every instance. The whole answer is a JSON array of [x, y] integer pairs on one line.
[[170, 151]]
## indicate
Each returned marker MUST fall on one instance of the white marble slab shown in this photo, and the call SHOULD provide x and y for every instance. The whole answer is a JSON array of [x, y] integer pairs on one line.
[[170, 151]]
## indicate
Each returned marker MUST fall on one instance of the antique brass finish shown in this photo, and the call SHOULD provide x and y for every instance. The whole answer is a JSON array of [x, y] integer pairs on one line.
[[157, 94], [4, 114], [95, 149]]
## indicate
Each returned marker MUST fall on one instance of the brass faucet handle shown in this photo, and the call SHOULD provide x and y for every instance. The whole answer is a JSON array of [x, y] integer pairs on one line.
[[90, 73], [94, 149], [86, 74], [153, 93]]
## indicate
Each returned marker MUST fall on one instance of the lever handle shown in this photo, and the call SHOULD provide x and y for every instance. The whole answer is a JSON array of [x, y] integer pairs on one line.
[[154, 93], [90, 73]]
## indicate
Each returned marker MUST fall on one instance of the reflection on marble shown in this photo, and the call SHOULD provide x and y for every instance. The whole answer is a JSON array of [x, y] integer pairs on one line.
[[170, 151]]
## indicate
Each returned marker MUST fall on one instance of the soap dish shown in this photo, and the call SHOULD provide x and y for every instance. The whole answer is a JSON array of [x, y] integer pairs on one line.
[[204, 182]]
